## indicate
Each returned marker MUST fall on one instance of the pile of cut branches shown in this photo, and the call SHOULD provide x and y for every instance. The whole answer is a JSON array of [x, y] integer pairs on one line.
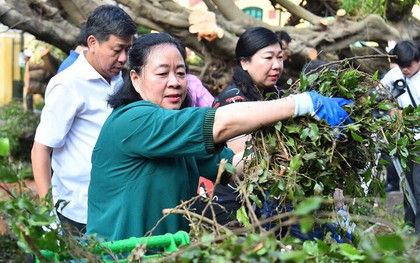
[[302, 157], [297, 167]]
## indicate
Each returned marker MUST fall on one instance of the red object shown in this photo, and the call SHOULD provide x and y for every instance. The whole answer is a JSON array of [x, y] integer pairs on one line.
[[205, 187]]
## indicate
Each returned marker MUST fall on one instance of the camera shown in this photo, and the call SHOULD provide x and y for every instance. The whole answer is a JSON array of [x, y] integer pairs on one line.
[[399, 88]]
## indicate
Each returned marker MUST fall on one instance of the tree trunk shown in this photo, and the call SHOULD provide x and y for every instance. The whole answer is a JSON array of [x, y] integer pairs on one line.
[[57, 21]]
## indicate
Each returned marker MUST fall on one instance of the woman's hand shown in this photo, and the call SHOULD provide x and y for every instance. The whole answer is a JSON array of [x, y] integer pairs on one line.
[[321, 107]]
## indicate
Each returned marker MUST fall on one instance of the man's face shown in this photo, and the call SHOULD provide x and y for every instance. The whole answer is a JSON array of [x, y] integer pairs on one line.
[[410, 70], [108, 57]]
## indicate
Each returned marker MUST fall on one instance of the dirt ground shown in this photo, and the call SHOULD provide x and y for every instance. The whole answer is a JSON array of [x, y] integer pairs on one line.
[[394, 202]]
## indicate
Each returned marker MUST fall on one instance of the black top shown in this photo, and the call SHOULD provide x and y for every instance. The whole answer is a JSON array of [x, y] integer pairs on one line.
[[228, 195]]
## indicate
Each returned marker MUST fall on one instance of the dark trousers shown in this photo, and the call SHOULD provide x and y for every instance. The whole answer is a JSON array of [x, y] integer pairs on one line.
[[70, 227], [392, 177], [30, 101], [413, 179]]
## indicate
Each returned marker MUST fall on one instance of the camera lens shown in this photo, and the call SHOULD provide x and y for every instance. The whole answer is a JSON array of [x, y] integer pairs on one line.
[[399, 88], [399, 84]]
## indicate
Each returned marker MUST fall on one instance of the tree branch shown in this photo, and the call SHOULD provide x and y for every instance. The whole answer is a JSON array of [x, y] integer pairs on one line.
[[232, 13], [299, 11]]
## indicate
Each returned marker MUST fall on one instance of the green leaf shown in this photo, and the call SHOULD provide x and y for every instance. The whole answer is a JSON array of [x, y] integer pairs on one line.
[[293, 129], [393, 152], [306, 224], [307, 206], [312, 78], [391, 242], [230, 168], [8, 176], [256, 200], [403, 141], [293, 256], [314, 132], [304, 134], [385, 106], [309, 156], [350, 252], [242, 216], [263, 164], [322, 246], [278, 126], [311, 248], [4, 147], [375, 75], [303, 81], [207, 239], [40, 220], [356, 137], [295, 163], [282, 185]]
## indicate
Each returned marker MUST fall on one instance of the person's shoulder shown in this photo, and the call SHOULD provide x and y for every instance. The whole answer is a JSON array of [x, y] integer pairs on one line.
[[136, 105], [230, 94], [392, 75], [71, 58], [65, 64], [71, 79], [192, 77], [415, 79], [194, 83], [395, 71], [416, 76], [67, 75]]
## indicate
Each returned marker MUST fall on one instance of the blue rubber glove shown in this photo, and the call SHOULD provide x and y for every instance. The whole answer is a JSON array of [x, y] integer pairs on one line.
[[321, 107]]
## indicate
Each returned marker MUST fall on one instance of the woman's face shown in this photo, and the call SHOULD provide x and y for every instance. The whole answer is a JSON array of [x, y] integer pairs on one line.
[[162, 80], [265, 66]]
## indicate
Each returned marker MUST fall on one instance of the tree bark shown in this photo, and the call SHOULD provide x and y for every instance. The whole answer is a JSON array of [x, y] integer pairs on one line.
[[57, 22]]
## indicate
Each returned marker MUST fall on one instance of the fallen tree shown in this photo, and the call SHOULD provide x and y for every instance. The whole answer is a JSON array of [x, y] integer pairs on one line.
[[57, 22]]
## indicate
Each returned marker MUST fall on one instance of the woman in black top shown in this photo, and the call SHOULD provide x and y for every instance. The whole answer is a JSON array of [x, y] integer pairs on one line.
[[260, 64]]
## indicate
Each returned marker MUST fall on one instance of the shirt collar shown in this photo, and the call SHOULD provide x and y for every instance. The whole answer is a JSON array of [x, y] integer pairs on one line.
[[90, 72]]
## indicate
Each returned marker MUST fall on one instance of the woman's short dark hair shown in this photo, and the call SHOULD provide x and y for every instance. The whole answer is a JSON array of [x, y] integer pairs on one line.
[[283, 35], [249, 43], [407, 51], [137, 58]]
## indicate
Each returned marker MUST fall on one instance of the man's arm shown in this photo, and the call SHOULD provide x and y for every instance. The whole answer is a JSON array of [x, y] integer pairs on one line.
[[41, 166]]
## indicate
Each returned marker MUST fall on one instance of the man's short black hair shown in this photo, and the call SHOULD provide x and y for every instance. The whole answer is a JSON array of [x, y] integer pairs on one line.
[[82, 38], [392, 59], [407, 51]]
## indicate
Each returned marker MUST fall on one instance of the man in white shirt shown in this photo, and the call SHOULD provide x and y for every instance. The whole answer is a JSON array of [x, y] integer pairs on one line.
[[404, 82], [74, 112]]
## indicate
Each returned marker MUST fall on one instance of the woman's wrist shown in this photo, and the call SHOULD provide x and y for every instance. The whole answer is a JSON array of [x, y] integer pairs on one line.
[[303, 104]]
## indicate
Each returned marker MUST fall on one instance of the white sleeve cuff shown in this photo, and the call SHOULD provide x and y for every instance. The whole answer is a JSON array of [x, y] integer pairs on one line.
[[303, 104]]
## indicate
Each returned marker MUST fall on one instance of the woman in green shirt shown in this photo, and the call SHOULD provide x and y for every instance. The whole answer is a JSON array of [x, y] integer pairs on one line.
[[153, 147]]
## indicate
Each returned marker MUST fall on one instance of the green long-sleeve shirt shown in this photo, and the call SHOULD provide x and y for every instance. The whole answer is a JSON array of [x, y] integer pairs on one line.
[[147, 159]]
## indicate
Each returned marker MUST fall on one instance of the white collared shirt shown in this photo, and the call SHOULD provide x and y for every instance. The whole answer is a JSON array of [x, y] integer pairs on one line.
[[413, 84], [74, 112]]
